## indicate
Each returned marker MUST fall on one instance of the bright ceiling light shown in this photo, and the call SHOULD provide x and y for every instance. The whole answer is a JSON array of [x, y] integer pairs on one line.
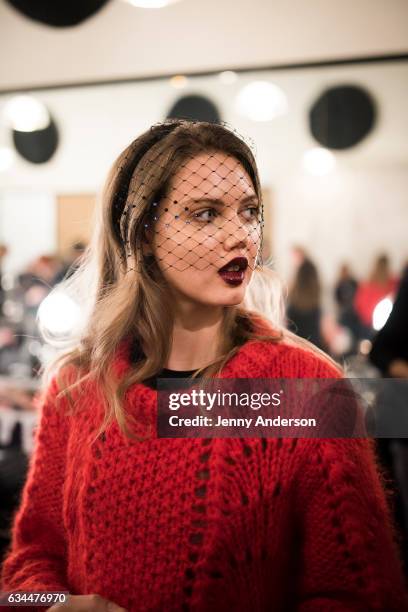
[[7, 158], [26, 114], [261, 101], [318, 161], [179, 81], [381, 313], [58, 314], [228, 77], [150, 4]]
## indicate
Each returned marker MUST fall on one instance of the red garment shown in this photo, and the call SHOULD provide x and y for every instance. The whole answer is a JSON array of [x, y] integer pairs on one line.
[[200, 524], [368, 295]]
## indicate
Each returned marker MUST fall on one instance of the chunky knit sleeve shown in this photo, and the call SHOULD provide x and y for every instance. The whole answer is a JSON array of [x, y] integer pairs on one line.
[[36, 559], [348, 557]]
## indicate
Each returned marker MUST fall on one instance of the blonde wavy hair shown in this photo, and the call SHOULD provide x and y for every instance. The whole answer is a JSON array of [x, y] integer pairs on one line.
[[122, 297]]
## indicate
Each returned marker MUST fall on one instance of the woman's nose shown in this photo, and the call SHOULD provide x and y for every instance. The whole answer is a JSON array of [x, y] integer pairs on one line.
[[235, 234]]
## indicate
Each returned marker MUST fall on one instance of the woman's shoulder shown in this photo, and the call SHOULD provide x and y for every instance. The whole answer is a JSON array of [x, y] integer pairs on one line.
[[285, 356], [66, 391], [295, 361]]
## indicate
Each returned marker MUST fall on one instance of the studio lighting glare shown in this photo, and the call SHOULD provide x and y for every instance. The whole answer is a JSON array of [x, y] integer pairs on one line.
[[26, 114], [261, 101], [381, 313], [318, 161], [58, 314]]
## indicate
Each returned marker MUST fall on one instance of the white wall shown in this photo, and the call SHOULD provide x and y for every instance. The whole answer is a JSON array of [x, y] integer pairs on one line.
[[27, 227], [196, 35], [347, 217]]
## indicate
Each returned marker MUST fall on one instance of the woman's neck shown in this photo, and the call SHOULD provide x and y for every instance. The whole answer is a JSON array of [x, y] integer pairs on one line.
[[195, 338]]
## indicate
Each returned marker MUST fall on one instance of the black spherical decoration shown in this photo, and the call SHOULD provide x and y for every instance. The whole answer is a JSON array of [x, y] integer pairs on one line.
[[194, 108], [342, 116], [58, 14], [39, 146]]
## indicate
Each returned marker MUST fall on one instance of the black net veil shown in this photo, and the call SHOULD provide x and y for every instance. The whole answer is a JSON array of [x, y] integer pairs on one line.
[[189, 208]]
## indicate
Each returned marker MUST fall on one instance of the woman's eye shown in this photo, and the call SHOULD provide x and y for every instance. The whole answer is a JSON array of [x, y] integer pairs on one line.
[[251, 213], [206, 215]]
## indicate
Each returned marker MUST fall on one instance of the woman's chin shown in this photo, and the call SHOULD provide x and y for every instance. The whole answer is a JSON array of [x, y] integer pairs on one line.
[[217, 296], [221, 299], [233, 296]]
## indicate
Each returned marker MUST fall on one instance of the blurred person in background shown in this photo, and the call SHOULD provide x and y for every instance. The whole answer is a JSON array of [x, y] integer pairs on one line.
[[380, 284], [298, 256], [389, 351], [33, 285], [3, 253], [43, 270], [389, 354], [11, 344], [36, 281], [15, 404], [344, 293], [304, 308], [345, 290], [20, 328]]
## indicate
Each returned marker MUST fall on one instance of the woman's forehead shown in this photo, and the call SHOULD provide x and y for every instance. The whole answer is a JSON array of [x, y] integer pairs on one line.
[[211, 174]]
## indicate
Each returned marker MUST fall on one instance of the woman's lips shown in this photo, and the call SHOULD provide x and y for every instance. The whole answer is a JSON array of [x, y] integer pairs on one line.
[[233, 273], [233, 278]]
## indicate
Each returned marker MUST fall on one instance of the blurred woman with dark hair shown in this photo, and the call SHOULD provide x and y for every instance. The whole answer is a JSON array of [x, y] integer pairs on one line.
[[304, 312]]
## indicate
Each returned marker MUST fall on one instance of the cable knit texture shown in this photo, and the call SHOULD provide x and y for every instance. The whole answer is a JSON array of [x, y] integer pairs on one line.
[[205, 524]]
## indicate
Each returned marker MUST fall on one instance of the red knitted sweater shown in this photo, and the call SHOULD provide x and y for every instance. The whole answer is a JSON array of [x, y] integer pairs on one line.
[[205, 524]]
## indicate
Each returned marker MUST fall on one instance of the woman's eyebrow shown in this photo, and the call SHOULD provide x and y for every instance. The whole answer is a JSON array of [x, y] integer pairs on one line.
[[218, 201], [250, 198]]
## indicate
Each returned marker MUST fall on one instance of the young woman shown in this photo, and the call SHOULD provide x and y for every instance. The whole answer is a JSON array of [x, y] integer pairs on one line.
[[379, 285], [121, 518], [304, 309]]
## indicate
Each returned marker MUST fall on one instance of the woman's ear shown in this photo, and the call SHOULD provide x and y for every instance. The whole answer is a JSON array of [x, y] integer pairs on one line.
[[147, 242], [149, 220], [146, 248]]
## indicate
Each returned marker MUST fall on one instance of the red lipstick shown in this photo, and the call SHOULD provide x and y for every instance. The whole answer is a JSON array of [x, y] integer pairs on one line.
[[233, 273]]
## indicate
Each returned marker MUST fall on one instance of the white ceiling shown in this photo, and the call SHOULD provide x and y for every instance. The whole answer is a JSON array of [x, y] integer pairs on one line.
[[196, 35]]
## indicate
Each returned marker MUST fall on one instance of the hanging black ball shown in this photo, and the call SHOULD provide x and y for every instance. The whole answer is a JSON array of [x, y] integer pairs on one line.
[[342, 116], [39, 146], [58, 14], [194, 108]]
